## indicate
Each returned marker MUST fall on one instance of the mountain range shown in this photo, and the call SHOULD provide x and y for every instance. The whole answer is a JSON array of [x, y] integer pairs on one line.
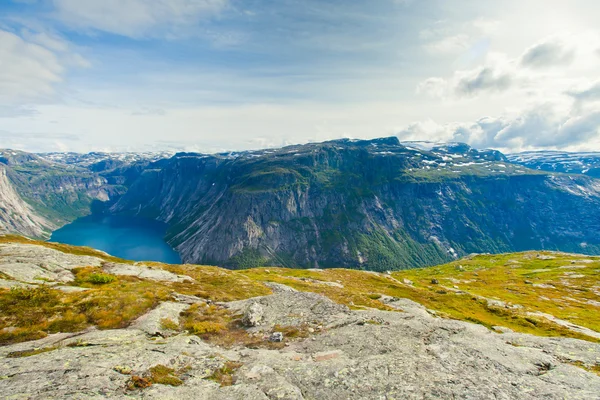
[[365, 204]]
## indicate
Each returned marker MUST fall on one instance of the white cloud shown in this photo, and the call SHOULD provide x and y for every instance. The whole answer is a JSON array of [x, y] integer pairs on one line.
[[136, 18], [449, 45], [434, 87], [542, 126], [28, 70], [32, 65], [488, 79], [590, 93], [548, 65], [550, 53]]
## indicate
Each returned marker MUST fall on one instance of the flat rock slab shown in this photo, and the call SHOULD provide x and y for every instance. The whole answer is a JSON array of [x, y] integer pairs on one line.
[[406, 355], [144, 272], [22, 263], [150, 323], [295, 308]]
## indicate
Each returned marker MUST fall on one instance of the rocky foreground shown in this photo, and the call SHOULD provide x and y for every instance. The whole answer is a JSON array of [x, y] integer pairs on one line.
[[288, 345]]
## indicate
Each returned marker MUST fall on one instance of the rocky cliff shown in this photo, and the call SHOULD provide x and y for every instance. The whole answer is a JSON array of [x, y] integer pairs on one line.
[[371, 204], [40, 195], [375, 205]]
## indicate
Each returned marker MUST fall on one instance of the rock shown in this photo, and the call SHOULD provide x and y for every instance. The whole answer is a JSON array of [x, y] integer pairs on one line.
[[407, 282], [151, 323], [435, 282], [258, 371], [280, 288], [410, 355], [327, 355], [276, 337], [253, 315], [22, 263], [144, 272], [187, 299], [295, 309]]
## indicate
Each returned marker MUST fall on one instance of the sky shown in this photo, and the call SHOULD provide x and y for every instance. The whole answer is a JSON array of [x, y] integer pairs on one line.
[[220, 75]]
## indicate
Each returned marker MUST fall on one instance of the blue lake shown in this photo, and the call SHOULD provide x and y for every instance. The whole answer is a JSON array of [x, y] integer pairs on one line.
[[130, 238]]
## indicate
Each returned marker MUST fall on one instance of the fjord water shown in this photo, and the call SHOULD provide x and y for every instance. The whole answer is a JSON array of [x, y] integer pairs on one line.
[[131, 238]]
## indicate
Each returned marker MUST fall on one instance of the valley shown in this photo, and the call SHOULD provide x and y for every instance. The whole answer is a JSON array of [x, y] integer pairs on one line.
[[370, 205]]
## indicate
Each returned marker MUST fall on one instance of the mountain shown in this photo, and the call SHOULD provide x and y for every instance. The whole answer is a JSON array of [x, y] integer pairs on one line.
[[78, 323], [364, 204], [373, 204], [41, 192], [560, 161]]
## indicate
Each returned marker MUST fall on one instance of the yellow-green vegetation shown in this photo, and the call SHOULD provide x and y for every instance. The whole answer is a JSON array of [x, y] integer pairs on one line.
[[101, 279], [31, 352], [225, 375], [216, 284], [563, 285], [32, 313], [512, 290], [165, 375], [218, 325], [112, 302], [158, 374], [167, 323], [590, 368]]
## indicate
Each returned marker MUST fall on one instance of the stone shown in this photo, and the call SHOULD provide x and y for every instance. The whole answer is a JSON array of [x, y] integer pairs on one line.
[[327, 355], [276, 337], [253, 315]]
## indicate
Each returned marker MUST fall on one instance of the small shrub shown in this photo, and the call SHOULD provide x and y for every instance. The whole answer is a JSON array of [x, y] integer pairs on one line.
[[69, 322], [164, 375], [138, 382], [201, 328], [101, 279], [35, 296], [29, 353], [167, 323], [225, 375]]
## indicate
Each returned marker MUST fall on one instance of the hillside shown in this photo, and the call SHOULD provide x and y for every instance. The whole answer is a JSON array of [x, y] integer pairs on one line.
[[376, 205], [522, 325], [368, 205]]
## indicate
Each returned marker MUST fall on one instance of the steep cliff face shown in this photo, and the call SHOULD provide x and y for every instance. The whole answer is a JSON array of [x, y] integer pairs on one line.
[[377, 204], [46, 194], [363, 204], [16, 215]]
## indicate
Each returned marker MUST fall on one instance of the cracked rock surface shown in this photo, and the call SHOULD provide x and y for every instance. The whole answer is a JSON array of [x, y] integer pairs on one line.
[[409, 354]]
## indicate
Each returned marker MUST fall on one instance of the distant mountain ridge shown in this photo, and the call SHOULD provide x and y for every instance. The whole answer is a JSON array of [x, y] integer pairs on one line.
[[587, 163], [367, 204]]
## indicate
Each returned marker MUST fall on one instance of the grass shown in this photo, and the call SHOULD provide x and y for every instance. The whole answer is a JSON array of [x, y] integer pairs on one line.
[[158, 374], [595, 369], [167, 323], [479, 278], [32, 352], [225, 375], [509, 290], [33, 313], [101, 279]]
